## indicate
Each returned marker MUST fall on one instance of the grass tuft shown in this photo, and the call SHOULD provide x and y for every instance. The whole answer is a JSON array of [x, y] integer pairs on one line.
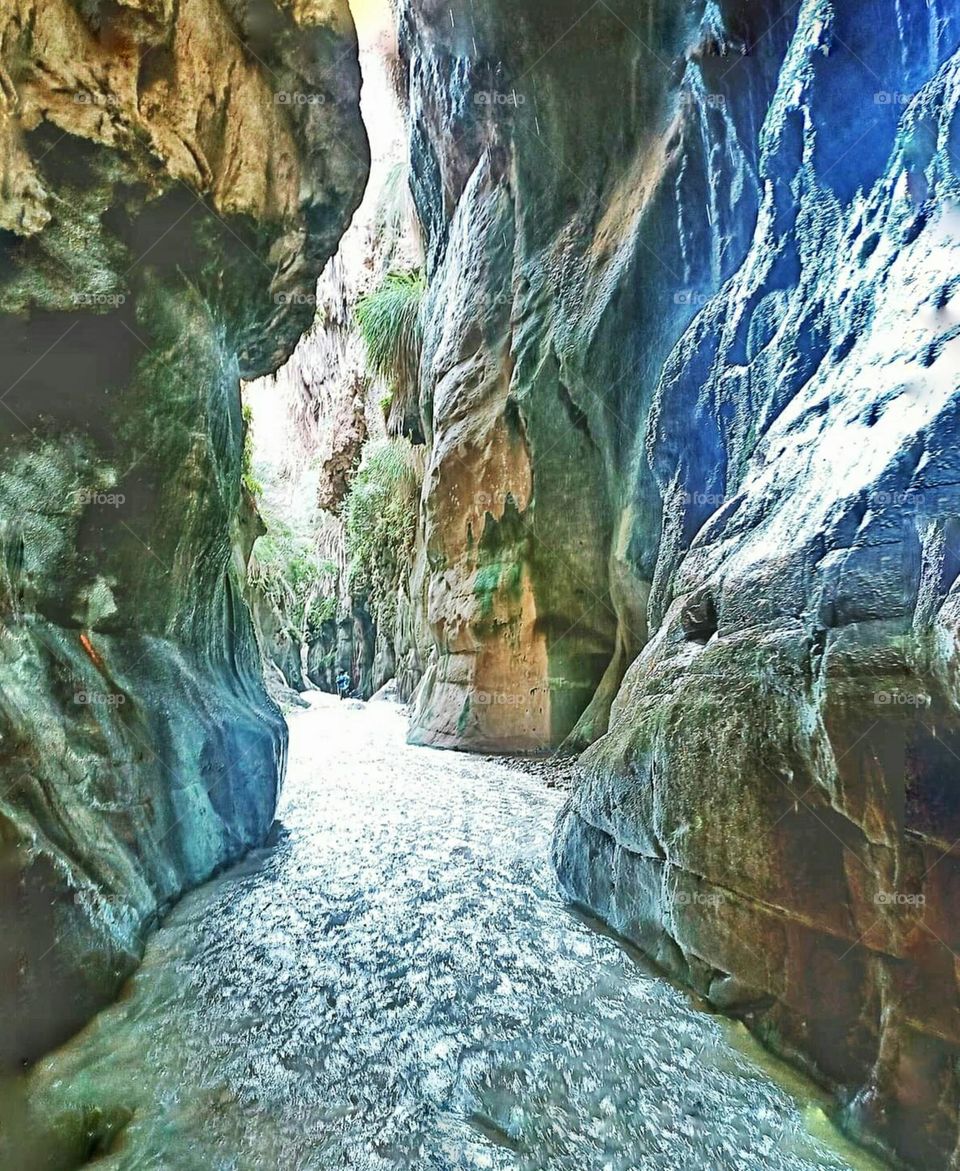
[[389, 323]]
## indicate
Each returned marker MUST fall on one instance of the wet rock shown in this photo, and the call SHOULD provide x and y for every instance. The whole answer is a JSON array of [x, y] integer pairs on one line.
[[174, 178], [574, 229], [690, 388]]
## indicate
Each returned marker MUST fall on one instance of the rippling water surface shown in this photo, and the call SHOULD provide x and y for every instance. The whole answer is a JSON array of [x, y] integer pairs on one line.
[[396, 983]]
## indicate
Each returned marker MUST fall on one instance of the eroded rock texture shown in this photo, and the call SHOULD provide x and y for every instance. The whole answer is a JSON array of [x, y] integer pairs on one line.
[[562, 171], [334, 412], [174, 178], [692, 389]]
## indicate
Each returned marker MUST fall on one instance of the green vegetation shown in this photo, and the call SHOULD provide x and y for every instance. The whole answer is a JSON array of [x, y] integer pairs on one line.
[[503, 551], [248, 479], [389, 323], [494, 578], [381, 520], [485, 586], [285, 568]]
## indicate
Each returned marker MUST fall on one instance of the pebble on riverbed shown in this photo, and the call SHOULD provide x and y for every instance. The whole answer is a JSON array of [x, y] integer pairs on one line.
[[557, 771]]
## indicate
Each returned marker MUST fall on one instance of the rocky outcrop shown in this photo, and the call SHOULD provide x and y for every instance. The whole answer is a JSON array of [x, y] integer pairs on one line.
[[691, 387], [282, 647], [774, 811], [348, 433], [174, 178], [565, 236]]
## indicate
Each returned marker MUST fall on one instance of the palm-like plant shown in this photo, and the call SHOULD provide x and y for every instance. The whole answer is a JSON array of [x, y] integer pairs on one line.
[[389, 323]]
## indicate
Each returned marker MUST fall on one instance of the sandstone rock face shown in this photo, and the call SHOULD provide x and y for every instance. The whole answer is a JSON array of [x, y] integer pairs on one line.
[[570, 241], [174, 178], [692, 354]]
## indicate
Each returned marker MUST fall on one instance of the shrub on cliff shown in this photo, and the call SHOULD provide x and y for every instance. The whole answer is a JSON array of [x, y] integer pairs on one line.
[[381, 520], [389, 323], [250, 482], [285, 569], [396, 216]]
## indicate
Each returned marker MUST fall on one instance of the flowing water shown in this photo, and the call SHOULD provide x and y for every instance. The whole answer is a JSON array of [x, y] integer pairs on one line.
[[396, 982]]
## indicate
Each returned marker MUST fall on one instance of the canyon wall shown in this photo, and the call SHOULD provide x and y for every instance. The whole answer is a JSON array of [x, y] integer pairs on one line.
[[321, 422], [690, 385], [174, 178], [582, 194]]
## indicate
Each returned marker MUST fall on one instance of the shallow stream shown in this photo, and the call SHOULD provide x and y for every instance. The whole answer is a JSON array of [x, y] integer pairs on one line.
[[396, 982]]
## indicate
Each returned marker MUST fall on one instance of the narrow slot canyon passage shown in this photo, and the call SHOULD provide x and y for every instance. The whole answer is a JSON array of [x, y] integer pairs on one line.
[[395, 981], [479, 585]]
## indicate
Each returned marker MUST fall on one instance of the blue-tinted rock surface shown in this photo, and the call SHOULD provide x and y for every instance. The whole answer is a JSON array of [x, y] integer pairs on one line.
[[694, 309], [174, 179]]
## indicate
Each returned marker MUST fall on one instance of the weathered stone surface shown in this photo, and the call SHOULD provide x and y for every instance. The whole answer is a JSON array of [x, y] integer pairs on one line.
[[348, 433], [691, 388], [174, 178], [570, 243]]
